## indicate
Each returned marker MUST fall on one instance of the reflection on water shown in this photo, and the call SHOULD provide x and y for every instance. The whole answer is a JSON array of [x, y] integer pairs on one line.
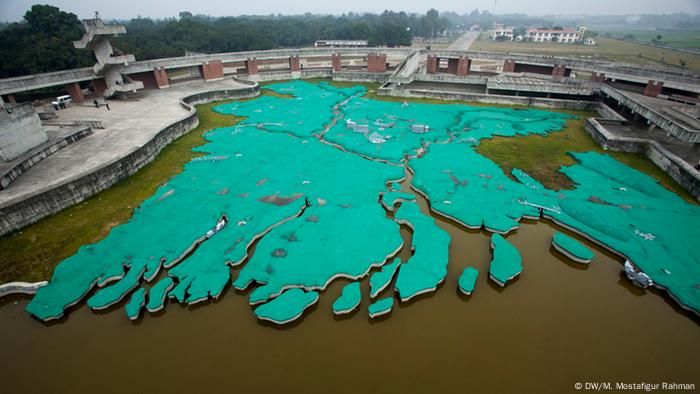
[[558, 324]]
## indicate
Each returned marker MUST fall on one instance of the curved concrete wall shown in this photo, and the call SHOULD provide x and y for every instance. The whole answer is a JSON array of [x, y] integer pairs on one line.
[[31, 210]]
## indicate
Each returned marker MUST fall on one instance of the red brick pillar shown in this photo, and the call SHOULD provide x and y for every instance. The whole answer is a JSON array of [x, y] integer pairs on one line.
[[559, 70], [294, 64], [598, 77], [452, 66], [509, 66], [463, 65], [251, 65], [76, 94], [99, 85], [653, 88], [161, 77], [9, 98], [213, 70], [376, 62], [432, 66], [336, 61]]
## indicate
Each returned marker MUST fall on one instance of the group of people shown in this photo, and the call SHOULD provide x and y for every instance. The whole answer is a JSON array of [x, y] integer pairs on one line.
[[97, 105]]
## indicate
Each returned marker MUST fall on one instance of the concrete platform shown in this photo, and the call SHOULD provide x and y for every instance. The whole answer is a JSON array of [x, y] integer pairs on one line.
[[690, 153], [129, 124], [59, 138]]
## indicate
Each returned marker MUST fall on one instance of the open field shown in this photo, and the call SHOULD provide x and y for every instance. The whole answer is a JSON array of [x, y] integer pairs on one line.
[[32, 253], [686, 39], [605, 48]]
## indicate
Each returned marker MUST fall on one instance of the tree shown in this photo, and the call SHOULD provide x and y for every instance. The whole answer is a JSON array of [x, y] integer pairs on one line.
[[42, 42]]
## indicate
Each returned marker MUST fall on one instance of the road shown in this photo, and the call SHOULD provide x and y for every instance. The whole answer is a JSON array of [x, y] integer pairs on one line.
[[464, 41]]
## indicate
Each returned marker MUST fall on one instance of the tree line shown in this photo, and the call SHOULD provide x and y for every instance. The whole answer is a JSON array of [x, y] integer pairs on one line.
[[42, 42]]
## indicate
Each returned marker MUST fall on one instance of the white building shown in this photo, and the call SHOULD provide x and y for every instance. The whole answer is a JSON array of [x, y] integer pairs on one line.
[[565, 36], [499, 33], [341, 43]]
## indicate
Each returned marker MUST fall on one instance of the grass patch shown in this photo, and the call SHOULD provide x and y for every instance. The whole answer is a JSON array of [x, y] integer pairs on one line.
[[32, 253], [605, 48], [541, 157]]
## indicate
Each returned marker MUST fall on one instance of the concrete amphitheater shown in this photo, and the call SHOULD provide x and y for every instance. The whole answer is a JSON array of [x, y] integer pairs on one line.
[[639, 109]]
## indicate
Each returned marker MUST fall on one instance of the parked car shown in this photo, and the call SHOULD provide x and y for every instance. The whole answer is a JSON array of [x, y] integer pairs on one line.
[[61, 99]]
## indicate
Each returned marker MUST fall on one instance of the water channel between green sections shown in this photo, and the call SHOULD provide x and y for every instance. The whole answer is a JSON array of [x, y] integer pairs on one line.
[[301, 178]]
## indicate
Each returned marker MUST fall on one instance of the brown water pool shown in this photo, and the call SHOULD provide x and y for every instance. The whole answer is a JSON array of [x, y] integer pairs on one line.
[[558, 324]]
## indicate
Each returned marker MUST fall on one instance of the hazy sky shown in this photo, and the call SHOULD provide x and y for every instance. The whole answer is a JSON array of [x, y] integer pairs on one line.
[[13, 10]]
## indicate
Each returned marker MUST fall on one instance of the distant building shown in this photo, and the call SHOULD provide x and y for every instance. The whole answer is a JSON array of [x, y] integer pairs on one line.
[[567, 35], [589, 41], [341, 43], [502, 33]]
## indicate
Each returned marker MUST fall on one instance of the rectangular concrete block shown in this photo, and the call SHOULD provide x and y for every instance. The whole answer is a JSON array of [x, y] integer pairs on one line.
[[432, 64], [99, 86], [161, 78], [376, 62], [337, 62], [653, 88], [294, 63], [463, 66], [76, 94], [212, 70], [509, 66], [452, 66], [251, 66], [559, 70]]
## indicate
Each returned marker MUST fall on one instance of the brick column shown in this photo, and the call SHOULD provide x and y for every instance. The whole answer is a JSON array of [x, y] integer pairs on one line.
[[559, 70], [463, 65], [336, 61], [452, 66], [294, 64], [432, 64], [161, 77], [9, 99], [376, 62], [213, 70], [509, 66], [653, 88], [76, 94], [598, 77], [99, 85], [251, 65]]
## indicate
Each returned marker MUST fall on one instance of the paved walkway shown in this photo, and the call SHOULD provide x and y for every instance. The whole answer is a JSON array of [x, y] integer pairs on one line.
[[464, 41], [128, 126]]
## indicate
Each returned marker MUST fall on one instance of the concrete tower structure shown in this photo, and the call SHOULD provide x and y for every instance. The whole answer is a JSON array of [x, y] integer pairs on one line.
[[110, 61]]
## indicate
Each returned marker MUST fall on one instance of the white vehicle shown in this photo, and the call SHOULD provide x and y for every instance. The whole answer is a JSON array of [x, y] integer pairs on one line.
[[61, 99]]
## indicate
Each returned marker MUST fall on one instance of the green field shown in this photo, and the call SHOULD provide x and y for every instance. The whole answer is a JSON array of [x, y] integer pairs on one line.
[[686, 39], [605, 49]]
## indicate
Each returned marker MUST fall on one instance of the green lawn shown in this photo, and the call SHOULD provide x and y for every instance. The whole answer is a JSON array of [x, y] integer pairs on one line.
[[605, 48], [32, 253], [541, 157], [687, 39]]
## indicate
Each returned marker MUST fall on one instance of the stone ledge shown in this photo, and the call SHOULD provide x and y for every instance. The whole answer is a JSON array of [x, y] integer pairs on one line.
[[23, 213], [23, 163]]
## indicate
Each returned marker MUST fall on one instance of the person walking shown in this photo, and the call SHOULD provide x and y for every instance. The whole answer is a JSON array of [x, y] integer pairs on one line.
[[107, 105], [97, 105]]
